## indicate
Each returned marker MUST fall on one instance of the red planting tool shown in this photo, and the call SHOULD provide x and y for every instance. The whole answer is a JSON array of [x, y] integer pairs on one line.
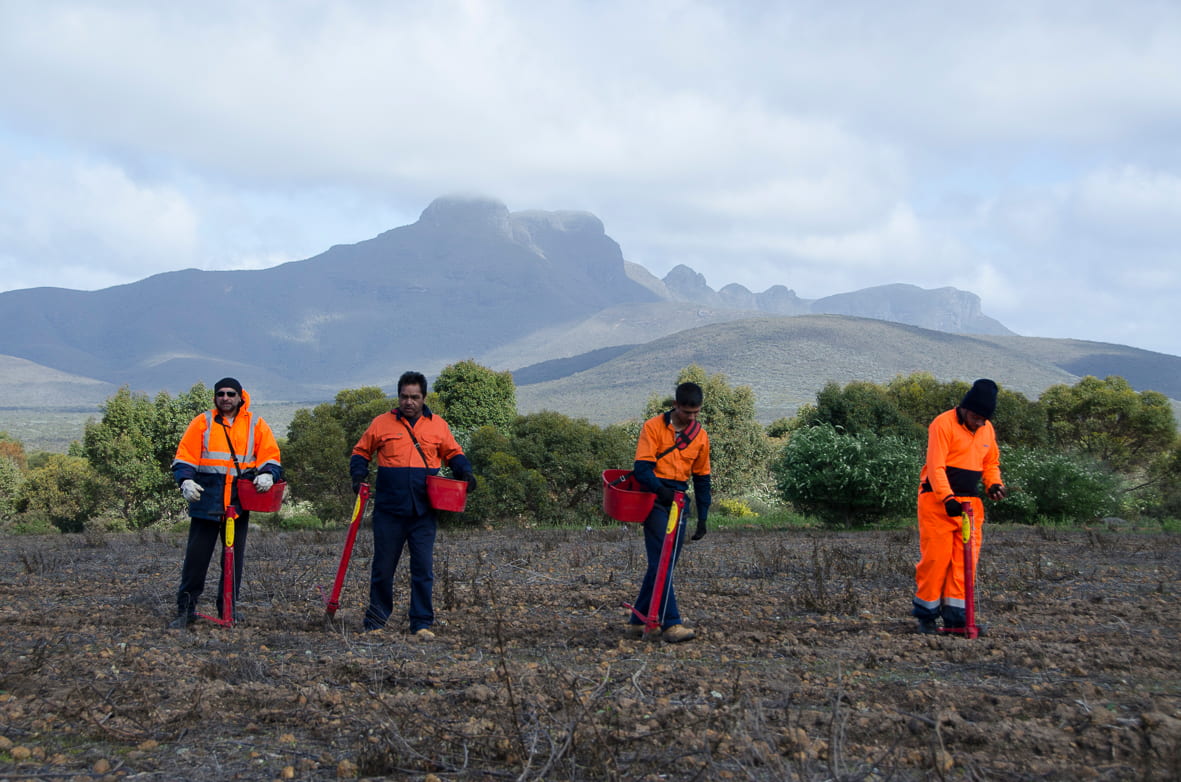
[[969, 630], [333, 601], [651, 619], [227, 573]]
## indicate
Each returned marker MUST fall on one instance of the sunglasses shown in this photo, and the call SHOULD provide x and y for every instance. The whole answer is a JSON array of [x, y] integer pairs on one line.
[[227, 393]]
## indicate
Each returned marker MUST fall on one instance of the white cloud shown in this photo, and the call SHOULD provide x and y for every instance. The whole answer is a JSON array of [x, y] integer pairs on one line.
[[1022, 150], [89, 225]]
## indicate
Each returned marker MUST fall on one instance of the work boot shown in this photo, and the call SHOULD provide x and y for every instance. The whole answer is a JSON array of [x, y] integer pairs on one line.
[[633, 631], [423, 634], [927, 626], [675, 634], [182, 621]]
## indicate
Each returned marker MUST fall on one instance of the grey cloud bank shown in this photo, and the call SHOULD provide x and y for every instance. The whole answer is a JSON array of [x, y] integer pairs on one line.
[[1014, 150]]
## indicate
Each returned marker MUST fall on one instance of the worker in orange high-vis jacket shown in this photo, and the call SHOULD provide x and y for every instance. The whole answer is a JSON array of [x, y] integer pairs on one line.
[[961, 453], [220, 447], [410, 443], [673, 449]]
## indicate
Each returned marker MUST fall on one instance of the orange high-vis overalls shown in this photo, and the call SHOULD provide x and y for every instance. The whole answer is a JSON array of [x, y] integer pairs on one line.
[[957, 460]]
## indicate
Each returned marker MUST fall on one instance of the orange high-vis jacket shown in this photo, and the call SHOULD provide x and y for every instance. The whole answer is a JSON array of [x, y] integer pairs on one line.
[[204, 455], [958, 459], [658, 436]]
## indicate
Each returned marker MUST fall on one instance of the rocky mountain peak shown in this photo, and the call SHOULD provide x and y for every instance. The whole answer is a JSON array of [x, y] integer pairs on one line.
[[467, 214]]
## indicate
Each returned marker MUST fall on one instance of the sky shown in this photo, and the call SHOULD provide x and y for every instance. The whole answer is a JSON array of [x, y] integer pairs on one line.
[[1028, 152]]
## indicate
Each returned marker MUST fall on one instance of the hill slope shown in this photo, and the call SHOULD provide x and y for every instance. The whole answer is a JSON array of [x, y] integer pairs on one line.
[[787, 360], [465, 278], [468, 279]]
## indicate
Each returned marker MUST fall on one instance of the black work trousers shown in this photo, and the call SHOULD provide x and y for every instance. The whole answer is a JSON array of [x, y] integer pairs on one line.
[[203, 537]]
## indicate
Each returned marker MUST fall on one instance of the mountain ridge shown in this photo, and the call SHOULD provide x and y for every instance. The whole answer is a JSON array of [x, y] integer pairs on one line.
[[534, 291]]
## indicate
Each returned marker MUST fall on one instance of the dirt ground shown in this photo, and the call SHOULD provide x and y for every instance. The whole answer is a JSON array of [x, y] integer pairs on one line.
[[805, 667]]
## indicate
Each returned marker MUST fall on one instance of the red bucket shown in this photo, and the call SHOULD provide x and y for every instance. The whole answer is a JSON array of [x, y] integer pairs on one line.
[[250, 498], [446, 493], [625, 500]]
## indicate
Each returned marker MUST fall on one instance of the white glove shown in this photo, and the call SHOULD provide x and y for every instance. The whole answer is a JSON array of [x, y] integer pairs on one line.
[[191, 490], [263, 481]]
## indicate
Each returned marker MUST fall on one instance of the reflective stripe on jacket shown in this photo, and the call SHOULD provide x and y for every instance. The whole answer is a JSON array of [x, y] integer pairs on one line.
[[401, 468], [204, 455]]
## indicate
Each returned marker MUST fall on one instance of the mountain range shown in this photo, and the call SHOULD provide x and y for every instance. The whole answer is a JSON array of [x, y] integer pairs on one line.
[[548, 295]]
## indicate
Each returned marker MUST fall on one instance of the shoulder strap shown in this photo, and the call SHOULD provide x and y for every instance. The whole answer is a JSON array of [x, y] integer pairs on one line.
[[415, 441], [683, 437], [230, 444]]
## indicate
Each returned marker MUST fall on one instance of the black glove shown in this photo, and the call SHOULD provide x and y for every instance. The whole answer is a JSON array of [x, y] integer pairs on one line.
[[472, 483], [664, 496], [955, 508], [700, 533], [997, 492], [357, 485]]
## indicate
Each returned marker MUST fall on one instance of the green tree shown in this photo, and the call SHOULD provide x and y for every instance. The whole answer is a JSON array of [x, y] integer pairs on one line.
[[132, 446], [470, 396], [860, 407], [780, 428], [740, 450], [319, 441], [1108, 420], [1020, 421], [547, 466], [920, 397], [65, 490], [1165, 478], [848, 479], [11, 479]]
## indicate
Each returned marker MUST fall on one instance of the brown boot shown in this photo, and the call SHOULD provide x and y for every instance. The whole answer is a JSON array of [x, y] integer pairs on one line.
[[675, 634]]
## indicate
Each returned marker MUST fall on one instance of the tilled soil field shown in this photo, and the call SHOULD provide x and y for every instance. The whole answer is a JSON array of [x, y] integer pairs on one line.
[[806, 666]]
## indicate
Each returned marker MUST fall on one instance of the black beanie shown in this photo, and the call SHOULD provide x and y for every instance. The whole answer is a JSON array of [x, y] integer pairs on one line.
[[228, 382], [981, 398]]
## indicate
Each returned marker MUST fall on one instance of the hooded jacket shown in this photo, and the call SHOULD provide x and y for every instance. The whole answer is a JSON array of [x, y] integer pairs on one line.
[[207, 451]]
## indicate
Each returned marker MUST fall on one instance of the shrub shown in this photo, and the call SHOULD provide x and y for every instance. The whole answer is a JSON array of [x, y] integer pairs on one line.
[[1051, 486], [509, 490], [66, 491], [10, 485], [846, 479], [34, 523], [736, 509]]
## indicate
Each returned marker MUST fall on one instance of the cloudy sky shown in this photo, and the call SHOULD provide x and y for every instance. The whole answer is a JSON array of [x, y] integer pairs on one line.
[[1029, 152]]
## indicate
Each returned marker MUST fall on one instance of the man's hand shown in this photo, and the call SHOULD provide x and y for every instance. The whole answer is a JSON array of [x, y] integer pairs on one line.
[[264, 481], [700, 533], [997, 492], [664, 496], [191, 490], [357, 485], [954, 507], [472, 483]]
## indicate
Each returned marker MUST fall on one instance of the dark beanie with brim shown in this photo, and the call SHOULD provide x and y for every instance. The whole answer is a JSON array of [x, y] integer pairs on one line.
[[981, 398], [228, 382]]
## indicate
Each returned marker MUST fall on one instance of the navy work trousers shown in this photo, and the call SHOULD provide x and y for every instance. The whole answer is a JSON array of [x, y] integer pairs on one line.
[[654, 527], [390, 534], [203, 537]]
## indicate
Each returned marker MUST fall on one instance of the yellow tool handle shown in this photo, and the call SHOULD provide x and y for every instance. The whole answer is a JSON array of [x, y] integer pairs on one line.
[[229, 531]]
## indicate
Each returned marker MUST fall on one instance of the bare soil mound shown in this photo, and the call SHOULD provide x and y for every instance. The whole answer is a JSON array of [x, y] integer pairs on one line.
[[805, 667]]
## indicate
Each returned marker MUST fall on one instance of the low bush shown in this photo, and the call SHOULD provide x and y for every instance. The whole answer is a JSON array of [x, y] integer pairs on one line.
[[735, 509], [1054, 487], [848, 479]]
